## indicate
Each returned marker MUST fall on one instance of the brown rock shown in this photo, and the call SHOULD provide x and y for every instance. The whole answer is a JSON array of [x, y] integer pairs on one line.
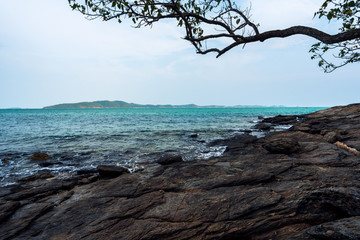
[[331, 137], [39, 157]]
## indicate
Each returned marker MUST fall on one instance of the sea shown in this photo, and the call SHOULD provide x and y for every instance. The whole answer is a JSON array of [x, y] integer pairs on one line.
[[82, 139]]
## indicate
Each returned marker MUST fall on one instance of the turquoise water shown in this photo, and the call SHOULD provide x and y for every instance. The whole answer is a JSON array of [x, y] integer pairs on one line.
[[83, 138]]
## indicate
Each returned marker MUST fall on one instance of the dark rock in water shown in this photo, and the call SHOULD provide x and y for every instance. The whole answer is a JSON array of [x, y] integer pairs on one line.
[[235, 145], [247, 131], [237, 139], [283, 120], [38, 176], [194, 135], [47, 164], [282, 145], [67, 157], [261, 117], [108, 171], [87, 171], [39, 157], [263, 126], [5, 161], [129, 152], [169, 159]]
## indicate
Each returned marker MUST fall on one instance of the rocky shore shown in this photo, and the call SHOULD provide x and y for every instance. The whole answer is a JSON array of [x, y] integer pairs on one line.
[[302, 183]]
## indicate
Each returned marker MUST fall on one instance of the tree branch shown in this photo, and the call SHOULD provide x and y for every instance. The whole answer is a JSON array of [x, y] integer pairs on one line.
[[296, 30], [206, 20]]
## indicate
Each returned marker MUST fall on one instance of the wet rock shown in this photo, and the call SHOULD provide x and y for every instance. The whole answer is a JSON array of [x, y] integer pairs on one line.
[[283, 120], [109, 171], [87, 171], [39, 157], [169, 159], [5, 161], [194, 135], [48, 164], [263, 126], [238, 144], [246, 131], [282, 145], [237, 140]]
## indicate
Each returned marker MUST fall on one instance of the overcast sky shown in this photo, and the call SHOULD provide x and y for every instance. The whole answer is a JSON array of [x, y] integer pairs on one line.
[[50, 54]]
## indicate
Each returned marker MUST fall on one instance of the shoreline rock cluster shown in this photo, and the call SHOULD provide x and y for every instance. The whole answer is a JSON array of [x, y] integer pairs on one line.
[[301, 183]]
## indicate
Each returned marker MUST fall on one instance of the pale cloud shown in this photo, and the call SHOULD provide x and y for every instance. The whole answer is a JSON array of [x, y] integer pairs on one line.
[[281, 14], [276, 14], [75, 36]]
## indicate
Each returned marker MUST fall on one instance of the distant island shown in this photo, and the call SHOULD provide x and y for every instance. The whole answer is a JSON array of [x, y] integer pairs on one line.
[[122, 104]]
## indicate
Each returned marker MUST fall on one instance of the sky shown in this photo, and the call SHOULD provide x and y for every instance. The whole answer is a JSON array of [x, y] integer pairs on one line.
[[50, 54]]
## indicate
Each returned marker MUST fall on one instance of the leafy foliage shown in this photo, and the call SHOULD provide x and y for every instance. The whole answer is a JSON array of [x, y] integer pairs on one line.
[[348, 12]]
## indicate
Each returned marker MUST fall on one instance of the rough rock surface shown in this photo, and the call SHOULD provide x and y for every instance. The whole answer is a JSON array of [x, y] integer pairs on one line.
[[109, 171], [282, 143], [169, 159], [249, 193], [263, 126]]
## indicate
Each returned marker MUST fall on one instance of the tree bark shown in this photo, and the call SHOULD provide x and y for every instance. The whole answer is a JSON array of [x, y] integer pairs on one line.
[[308, 31], [295, 30]]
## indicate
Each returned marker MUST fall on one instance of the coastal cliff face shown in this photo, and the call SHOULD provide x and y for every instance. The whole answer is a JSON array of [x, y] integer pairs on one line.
[[302, 183]]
